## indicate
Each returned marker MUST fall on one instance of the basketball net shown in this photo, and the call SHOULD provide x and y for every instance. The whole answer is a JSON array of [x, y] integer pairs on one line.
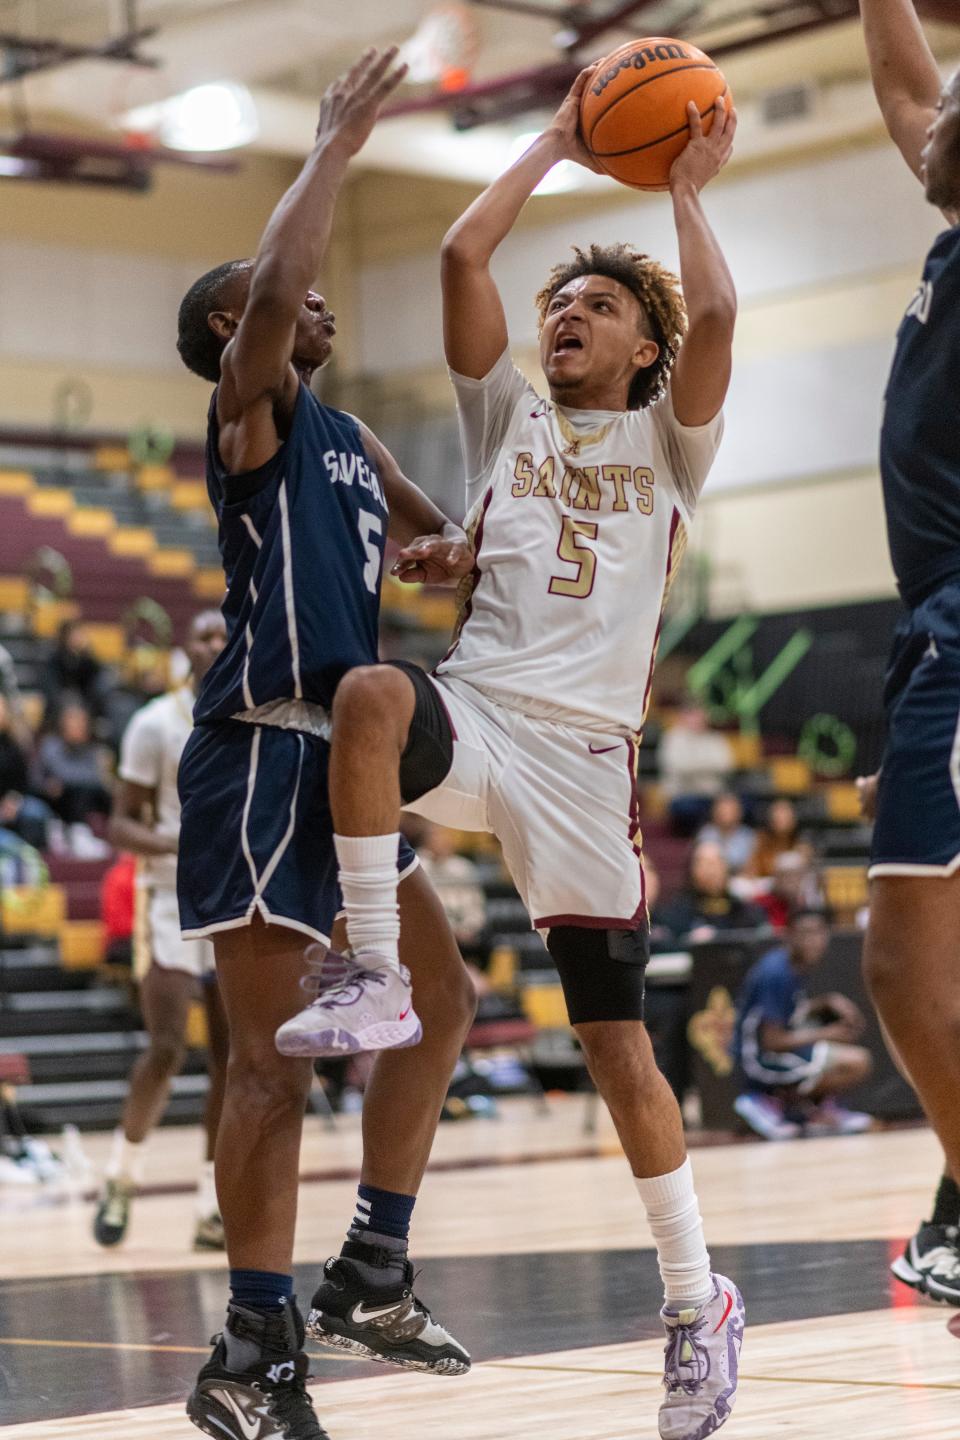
[[443, 49]]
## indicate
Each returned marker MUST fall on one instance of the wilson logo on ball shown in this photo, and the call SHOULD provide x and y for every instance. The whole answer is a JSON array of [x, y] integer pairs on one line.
[[639, 60]]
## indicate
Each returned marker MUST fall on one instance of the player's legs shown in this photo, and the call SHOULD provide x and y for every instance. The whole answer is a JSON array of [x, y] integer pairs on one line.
[[644, 1109], [259, 969], [400, 1112], [372, 736], [703, 1313], [165, 998], [407, 1089], [565, 808], [258, 1365], [209, 1233], [911, 965], [372, 711], [218, 1053], [847, 1067]]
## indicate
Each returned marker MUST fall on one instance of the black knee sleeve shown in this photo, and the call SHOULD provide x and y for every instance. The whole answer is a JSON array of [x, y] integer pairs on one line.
[[603, 972]]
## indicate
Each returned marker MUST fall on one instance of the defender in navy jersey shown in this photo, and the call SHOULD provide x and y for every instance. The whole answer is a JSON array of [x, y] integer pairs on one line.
[[912, 955], [305, 498]]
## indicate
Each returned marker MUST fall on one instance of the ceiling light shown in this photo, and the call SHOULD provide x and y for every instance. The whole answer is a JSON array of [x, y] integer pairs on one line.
[[217, 116]]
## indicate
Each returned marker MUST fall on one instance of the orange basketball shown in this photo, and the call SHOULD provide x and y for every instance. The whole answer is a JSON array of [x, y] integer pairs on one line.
[[633, 114]]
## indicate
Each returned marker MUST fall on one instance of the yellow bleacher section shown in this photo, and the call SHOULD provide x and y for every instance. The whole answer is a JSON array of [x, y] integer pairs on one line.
[[137, 542]]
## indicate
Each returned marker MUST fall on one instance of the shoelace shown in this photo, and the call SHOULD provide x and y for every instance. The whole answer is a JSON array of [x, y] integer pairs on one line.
[[286, 1403], [418, 1304], [326, 968], [336, 979], [675, 1362], [946, 1262]]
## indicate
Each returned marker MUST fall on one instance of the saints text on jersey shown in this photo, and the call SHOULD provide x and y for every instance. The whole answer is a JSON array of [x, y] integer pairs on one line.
[[584, 487]]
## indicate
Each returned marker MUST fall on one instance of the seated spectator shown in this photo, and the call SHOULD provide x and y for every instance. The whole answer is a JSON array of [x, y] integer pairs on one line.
[[797, 1054], [727, 829], [456, 882], [780, 833], [24, 814], [706, 906], [795, 886], [71, 670], [695, 765], [72, 769]]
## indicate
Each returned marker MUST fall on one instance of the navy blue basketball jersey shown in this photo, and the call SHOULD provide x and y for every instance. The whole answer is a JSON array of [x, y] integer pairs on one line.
[[302, 543], [920, 439]]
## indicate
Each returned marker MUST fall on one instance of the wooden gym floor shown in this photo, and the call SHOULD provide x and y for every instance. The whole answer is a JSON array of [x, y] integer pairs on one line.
[[534, 1252]]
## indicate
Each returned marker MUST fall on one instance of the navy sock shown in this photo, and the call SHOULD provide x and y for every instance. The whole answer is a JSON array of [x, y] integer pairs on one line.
[[382, 1212], [260, 1289]]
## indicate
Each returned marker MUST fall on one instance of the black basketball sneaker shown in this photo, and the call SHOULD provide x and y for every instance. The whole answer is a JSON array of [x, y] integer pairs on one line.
[[113, 1213], [253, 1387], [931, 1263], [365, 1304]]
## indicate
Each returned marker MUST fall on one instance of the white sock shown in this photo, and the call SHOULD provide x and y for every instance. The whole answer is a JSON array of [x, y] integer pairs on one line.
[[674, 1216], [207, 1203], [368, 879], [127, 1159]]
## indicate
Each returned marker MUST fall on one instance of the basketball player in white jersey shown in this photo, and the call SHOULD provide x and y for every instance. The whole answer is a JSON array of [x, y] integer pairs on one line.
[[580, 505], [171, 971]]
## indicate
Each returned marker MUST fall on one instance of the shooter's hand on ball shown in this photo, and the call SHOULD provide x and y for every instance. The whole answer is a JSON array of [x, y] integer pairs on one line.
[[705, 155], [434, 560], [565, 126]]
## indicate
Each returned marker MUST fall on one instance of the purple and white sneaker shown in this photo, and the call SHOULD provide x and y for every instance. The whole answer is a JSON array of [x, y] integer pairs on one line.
[[364, 1003], [700, 1364]]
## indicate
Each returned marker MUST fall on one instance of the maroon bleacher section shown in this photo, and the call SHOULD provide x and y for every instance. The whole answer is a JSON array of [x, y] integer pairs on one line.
[[104, 584], [81, 880]]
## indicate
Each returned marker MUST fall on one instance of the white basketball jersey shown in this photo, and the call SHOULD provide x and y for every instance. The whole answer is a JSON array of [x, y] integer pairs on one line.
[[579, 520], [150, 756]]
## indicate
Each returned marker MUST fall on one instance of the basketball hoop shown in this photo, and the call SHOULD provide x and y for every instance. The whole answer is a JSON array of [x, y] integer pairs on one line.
[[443, 49]]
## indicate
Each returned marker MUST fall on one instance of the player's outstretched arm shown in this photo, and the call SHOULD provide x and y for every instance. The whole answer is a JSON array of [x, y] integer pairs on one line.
[[256, 367], [474, 325], [434, 549], [905, 75], [702, 372]]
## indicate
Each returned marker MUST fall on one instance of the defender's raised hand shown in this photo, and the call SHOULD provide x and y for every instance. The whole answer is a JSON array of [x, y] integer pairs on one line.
[[704, 156], [350, 106]]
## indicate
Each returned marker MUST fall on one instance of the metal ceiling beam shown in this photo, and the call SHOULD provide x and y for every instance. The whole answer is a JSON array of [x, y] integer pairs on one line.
[[612, 20], [27, 56]]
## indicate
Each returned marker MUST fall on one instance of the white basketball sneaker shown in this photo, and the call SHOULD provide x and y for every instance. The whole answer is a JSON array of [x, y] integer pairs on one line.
[[368, 1007], [700, 1364]]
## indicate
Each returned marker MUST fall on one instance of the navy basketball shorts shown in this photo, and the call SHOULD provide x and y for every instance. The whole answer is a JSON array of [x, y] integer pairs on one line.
[[917, 830], [256, 832]]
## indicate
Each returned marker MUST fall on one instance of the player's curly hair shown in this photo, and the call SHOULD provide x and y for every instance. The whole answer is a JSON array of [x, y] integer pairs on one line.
[[200, 349], [656, 288]]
